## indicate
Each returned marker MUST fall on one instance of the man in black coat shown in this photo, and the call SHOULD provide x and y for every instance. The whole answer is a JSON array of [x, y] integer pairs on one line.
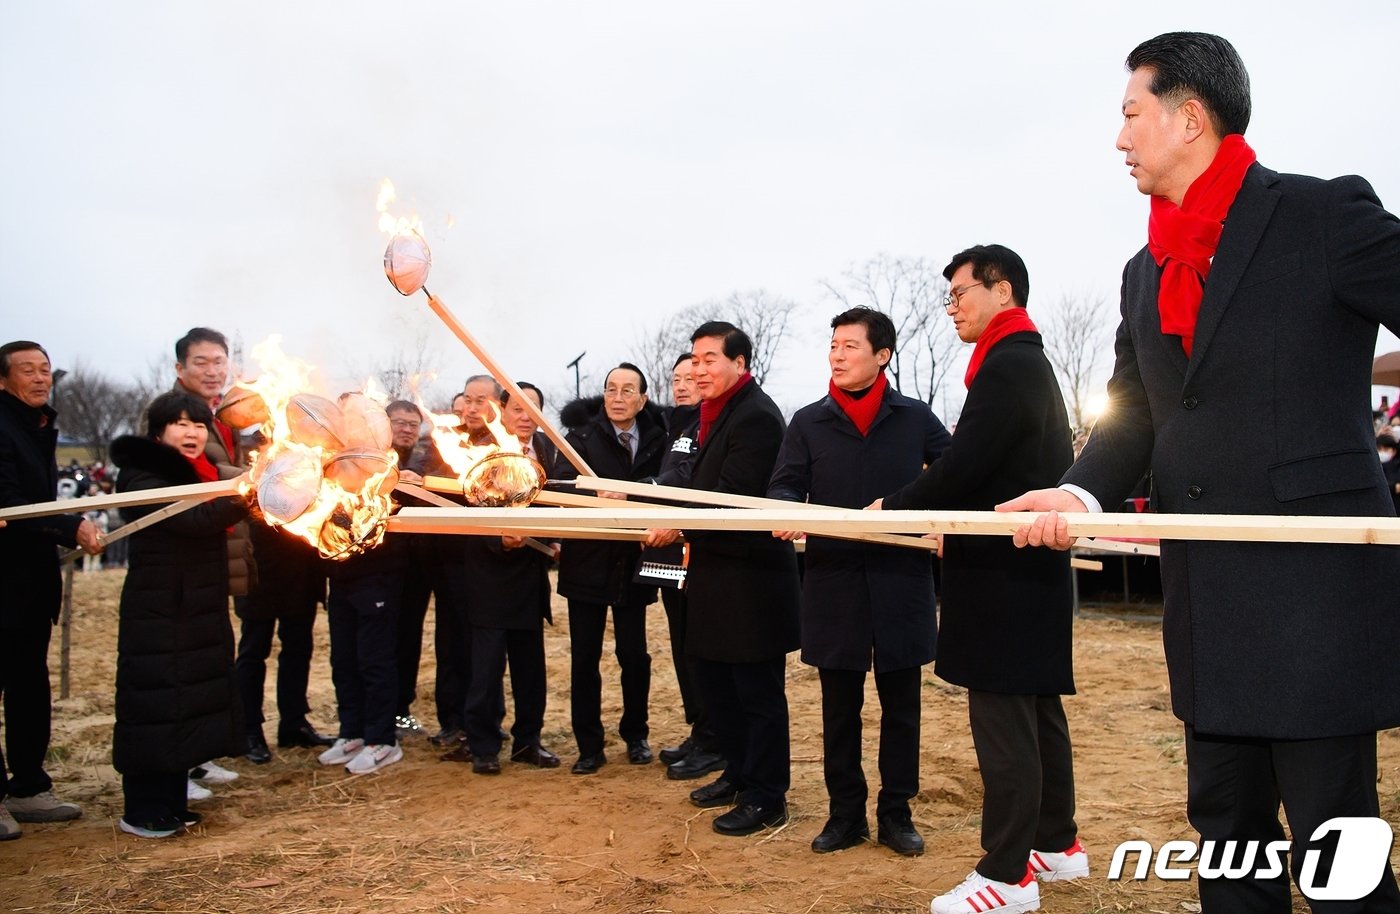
[[861, 601], [741, 590], [624, 440], [1242, 380], [1004, 632], [33, 587]]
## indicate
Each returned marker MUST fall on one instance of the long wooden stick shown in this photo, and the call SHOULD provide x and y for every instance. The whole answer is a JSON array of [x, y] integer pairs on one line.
[[1098, 544], [499, 373], [200, 490], [141, 523], [828, 521], [424, 494]]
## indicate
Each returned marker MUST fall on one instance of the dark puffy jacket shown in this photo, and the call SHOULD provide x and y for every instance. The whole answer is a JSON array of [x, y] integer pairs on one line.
[[600, 571], [176, 704]]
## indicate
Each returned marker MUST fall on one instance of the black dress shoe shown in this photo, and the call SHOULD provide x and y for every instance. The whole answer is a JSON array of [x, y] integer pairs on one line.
[[257, 753], [696, 765], [839, 834], [459, 753], [899, 836], [748, 818], [536, 755], [639, 752], [448, 737], [190, 819], [589, 764], [673, 754], [716, 793], [487, 764], [304, 737]]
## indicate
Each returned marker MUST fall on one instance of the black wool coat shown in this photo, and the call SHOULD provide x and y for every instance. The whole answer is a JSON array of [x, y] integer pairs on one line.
[[177, 701], [291, 576], [33, 587], [600, 571], [742, 592], [1269, 415], [1007, 613], [861, 600]]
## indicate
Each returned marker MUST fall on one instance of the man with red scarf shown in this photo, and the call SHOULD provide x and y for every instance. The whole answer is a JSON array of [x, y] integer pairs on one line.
[[1243, 381], [863, 603], [742, 591], [1004, 632]]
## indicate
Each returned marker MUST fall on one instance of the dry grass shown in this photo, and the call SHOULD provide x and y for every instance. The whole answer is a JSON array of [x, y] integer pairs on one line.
[[429, 836]]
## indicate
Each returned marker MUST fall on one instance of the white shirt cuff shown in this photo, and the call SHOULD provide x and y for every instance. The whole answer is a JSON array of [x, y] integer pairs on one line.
[[1091, 504]]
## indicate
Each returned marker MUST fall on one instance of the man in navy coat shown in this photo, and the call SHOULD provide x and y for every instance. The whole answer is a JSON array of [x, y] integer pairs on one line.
[[1242, 380], [861, 601]]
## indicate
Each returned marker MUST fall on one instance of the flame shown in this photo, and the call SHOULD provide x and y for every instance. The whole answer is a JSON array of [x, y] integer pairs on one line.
[[324, 475], [494, 473], [388, 223]]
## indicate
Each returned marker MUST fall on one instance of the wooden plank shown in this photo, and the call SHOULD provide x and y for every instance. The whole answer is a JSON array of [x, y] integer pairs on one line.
[[141, 523], [839, 521], [1085, 564], [1098, 544], [423, 494], [202, 491], [504, 379]]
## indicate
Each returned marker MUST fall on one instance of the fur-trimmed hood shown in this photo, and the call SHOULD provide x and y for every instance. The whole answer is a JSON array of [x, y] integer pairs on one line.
[[577, 413], [132, 452]]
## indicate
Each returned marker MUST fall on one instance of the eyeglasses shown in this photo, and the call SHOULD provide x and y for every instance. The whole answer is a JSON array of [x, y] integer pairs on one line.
[[951, 300], [619, 393]]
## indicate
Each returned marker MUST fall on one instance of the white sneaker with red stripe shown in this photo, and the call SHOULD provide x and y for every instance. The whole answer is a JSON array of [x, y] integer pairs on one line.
[[977, 894], [1069, 864]]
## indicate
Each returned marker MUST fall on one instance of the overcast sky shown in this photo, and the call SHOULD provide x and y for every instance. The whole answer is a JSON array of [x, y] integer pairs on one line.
[[172, 164]]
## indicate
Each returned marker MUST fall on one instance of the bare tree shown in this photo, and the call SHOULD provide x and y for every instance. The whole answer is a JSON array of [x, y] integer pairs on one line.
[[94, 409], [409, 368], [1076, 338], [762, 315], [911, 292]]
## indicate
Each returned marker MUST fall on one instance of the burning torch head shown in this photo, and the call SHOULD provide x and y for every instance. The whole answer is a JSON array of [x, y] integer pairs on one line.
[[407, 261], [503, 480]]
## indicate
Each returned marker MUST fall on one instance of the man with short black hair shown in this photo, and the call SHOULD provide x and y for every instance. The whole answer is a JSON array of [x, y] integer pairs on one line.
[[863, 605], [33, 589], [1242, 380], [742, 591], [1007, 615]]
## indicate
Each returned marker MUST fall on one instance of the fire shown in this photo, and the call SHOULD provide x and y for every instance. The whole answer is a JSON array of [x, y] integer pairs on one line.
[[388, 222], [327, 470], [493, 474]]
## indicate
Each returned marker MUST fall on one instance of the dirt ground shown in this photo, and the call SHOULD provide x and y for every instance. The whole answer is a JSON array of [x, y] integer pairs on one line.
[[425, 835]]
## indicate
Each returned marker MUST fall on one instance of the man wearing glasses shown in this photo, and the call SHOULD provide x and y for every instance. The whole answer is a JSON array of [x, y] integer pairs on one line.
[[1004, 632], [625, 439]]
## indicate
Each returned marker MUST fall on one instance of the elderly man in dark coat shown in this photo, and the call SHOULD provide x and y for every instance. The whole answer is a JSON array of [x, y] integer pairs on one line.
[[1005, 628], [742, 603], [861, 600], [1243, 379], [625, 439], [33, 588]]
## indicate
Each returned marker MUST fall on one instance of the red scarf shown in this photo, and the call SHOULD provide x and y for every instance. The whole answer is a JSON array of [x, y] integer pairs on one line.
[[205, 470], [710, 409], [861, 412], [1183, 238], [1002, 325]]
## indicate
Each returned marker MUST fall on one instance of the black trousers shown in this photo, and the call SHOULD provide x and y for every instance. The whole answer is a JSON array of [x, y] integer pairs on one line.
[[154, 797], [293, 668], [750, 713], [586, 624], [702, 732], [24, 683], [363, 614], [1023, 749], [843, 696], [413, 609], [491, 649], [1233, 790], [451, 642]]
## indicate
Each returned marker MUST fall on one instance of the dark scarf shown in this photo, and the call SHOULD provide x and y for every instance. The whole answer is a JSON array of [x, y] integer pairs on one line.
[[1002, 325], [1183, 239], [861, 410], [710, 409]]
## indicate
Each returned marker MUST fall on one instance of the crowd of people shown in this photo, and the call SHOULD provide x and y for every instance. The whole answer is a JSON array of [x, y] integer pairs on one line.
[[1280, 656]]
